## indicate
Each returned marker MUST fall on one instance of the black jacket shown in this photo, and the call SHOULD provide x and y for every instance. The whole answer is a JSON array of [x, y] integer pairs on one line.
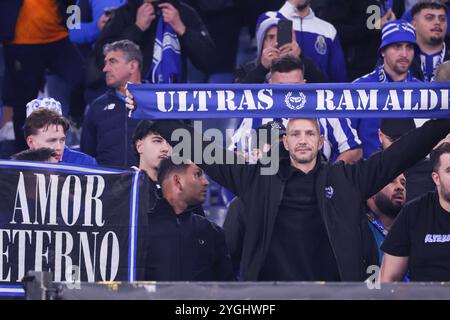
[[234, 227], [341, 190], [359, 43], [255, 72], [196, 44], [185, 247]]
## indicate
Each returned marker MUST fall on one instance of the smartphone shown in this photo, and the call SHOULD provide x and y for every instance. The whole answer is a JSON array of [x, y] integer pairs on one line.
[[284, 32]]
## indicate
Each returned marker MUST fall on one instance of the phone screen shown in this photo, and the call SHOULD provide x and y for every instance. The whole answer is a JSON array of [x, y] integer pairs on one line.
[[284, 32]]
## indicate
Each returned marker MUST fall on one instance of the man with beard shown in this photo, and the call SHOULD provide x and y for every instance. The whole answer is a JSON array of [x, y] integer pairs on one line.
[[151, 149], [419, 239], [430, 22], [384, 207], [397, 50], [184, 246]]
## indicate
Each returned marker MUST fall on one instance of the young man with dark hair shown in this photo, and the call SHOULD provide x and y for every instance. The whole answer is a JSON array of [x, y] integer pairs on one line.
[[184, 246], [45, 128], [430, 22], [150, 148], [419, 240]]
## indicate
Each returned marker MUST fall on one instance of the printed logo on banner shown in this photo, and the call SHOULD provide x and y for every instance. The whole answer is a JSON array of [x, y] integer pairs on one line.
[[295, 102]]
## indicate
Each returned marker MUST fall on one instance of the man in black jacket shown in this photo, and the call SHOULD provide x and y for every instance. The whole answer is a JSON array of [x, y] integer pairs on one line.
[[184, 246], [312, 208], [137, 21]]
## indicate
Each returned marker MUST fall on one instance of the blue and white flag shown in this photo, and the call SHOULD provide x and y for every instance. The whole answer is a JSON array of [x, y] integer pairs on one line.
[[166, 63], [326, 100]]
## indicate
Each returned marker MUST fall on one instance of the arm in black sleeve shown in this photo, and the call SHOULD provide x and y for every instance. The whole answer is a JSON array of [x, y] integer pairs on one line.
[[251, 73], [371, 175], [196, 43], [234, 227], [312, 72], [234, 176]]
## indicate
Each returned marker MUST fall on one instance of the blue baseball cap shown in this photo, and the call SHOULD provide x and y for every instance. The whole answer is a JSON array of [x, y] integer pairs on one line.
[[397, 31]]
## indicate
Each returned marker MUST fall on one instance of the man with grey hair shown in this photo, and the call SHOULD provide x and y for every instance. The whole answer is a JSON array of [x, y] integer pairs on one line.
[[107, 131]]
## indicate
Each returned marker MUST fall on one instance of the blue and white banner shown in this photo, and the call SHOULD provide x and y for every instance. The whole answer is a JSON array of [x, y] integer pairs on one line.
[[81, 224], [331, 100]]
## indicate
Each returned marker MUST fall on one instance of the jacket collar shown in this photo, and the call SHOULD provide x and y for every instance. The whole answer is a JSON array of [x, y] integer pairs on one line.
[[286, 170], [163, 207], [290, 12]]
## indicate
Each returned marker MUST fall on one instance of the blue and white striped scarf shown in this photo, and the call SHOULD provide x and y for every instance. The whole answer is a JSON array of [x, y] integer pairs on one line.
[[166, 62]]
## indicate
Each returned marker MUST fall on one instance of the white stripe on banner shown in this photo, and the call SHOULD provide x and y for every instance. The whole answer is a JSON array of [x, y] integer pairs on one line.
[[133, 225], [58, 166], [12, 291]]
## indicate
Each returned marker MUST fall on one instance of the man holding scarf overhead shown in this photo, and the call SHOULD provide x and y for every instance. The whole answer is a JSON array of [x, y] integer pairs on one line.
[[167, 32]]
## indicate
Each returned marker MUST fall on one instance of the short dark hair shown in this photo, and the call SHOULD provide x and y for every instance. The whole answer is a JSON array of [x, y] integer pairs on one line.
[[43, 118], [40, 154], [435, 155], [143, 129], [130, 49], [167, 167], [287, 64], [419, 6]]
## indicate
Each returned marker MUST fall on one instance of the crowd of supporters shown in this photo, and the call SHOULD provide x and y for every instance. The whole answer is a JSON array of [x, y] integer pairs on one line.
[[64, 70]]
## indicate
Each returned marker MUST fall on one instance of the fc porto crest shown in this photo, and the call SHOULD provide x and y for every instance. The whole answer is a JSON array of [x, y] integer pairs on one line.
[[295, 102], [321, 45], [329, 192]]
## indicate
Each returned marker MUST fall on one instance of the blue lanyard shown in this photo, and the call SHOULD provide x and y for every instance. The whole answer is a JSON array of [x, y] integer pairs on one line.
[[377, 224]]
